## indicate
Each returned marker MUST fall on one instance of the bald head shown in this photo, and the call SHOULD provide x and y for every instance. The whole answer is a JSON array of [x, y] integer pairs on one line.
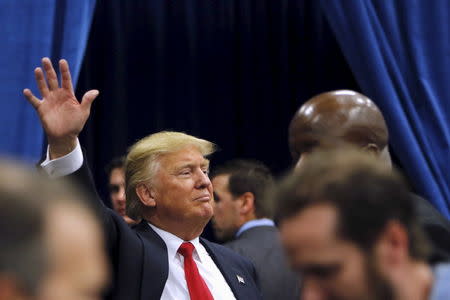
[[337, 118]]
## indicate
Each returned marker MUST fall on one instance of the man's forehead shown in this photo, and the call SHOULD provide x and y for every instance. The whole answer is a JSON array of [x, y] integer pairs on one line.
[[311, 237], [189, 155], [315, 224]]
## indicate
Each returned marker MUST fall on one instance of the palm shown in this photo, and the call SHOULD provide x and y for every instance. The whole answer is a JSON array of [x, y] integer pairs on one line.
[[61, 114]]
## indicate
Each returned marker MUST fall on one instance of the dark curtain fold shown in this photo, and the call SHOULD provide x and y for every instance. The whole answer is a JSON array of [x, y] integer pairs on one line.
[[31, 30], [231, 71], [399, 53]]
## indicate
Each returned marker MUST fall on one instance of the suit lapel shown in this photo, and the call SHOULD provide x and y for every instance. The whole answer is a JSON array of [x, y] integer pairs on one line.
[[155, 261], [233, 276]]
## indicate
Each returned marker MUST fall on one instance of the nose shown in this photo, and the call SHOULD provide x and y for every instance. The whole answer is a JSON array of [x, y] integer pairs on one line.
[[299, 163], [121, 194], [203, 180]]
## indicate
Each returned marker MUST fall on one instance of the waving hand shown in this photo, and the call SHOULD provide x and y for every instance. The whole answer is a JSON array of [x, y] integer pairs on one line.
[[61, 114]]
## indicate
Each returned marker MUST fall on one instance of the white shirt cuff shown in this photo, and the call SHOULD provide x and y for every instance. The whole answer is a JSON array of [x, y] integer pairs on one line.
[[64, 165]]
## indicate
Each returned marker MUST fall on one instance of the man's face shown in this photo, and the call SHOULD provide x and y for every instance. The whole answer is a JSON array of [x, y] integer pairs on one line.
[[329, 267], [181, 188], [226, 212], [78, 267], [117, 190]]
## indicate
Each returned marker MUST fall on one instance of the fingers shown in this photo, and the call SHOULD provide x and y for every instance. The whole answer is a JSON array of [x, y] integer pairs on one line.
[[31, 98], [88, 98], [50, 73], [41, 83], [66, 79]]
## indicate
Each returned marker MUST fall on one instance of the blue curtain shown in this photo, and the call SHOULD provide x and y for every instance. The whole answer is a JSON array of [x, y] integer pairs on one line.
[[399, 52], [31, 30]]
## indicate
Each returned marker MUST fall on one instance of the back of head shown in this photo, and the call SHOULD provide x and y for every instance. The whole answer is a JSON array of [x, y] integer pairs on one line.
[[142, 162], [248, 176], [22, 251], [366, 195], [337, 117], [28, 201]]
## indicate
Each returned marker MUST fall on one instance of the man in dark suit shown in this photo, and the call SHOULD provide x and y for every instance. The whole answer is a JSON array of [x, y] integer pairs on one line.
[[338, 118], [242, 217], [167, 187]]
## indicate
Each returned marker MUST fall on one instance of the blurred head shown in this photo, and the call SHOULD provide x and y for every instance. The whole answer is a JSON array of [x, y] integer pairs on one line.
[[51, 243], [116, 184], [239, 192], [77, 268], [349, 227], [337, 118], [167, 180]]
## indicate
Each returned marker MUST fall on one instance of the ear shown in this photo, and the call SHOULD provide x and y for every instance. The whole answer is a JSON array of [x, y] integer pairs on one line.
[[146, 195], [372, 148], [247, 203], [392, 247]]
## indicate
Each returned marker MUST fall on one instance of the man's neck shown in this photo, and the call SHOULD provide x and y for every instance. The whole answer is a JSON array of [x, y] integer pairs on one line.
[[184, 230]]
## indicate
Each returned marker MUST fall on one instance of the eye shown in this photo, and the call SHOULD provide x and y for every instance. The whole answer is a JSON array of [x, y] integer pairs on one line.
[[205, 171], [114, 188], [216, 197], [184, 172], [323, 272]]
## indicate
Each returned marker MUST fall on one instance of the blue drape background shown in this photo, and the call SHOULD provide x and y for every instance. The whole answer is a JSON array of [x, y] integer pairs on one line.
[[29, 31], [234, 71], [399, 52]]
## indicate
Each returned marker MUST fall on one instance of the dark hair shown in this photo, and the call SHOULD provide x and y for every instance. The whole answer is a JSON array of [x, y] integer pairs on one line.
[[248, 176], [116, 162], [366, 194]]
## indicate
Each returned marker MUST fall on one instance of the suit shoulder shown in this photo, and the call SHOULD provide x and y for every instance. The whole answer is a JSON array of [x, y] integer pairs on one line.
[[220, 250], [262, 236]]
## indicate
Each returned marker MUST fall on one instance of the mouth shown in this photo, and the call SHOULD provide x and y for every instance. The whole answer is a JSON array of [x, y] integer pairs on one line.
[[204, 198]]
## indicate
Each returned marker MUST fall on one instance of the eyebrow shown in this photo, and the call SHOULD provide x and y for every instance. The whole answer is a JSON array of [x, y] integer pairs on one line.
[[191, 165]]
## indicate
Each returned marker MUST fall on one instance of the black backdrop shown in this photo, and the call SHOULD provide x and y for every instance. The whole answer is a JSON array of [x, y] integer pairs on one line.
[[230, 71]]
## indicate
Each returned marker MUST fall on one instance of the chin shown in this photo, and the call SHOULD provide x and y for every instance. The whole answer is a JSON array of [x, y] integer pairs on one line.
[[207, 211]]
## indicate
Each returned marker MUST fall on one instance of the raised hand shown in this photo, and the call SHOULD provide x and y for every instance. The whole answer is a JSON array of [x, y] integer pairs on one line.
[[61, 114]]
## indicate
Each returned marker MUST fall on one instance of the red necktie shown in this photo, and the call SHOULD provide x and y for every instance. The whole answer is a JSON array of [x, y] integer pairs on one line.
[[198, 290]]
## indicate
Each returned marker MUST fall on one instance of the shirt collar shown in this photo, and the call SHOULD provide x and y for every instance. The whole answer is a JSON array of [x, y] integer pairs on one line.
[[255, 223], [173, 243]]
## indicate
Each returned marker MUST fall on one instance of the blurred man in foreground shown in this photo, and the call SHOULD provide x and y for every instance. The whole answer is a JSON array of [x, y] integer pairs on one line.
[[51, 244], [350, 229], [242, 217], [338, 118]]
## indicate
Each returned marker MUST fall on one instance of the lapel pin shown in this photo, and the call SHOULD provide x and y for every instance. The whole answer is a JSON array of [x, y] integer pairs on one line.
[[240, 279]]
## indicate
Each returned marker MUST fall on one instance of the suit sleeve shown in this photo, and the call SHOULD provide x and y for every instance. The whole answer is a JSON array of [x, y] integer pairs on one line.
[[74, 167]]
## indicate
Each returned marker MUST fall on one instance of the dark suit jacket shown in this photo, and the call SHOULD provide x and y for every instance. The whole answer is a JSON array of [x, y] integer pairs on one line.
[[139, 256], [437, 229], [263, 247]]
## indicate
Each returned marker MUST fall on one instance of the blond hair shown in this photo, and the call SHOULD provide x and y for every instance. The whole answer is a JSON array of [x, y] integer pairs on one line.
[[142, 162]]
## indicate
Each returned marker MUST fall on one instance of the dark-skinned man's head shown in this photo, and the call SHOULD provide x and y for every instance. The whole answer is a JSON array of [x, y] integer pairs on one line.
[[337, 118]]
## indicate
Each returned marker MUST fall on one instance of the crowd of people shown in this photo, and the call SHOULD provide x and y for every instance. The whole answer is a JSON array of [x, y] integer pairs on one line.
[[341, 225]]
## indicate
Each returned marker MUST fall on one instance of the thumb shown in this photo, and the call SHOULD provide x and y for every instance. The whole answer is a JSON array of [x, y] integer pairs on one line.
[[88, 98]]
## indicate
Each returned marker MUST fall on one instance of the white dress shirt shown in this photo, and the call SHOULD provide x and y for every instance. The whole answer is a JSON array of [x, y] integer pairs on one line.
[[176, 286], [64, 165]]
